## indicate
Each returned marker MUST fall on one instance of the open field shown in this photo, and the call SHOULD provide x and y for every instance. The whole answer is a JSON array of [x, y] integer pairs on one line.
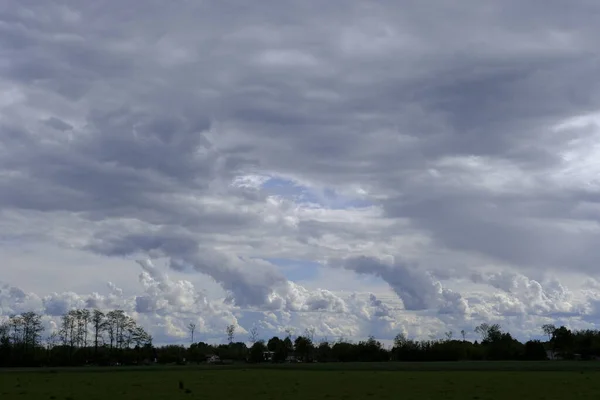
[[327, 381]]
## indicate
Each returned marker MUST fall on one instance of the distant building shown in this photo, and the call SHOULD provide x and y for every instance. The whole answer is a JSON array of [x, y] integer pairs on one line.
[[268, 355], [213, 360], [553, 355], [291, 359]]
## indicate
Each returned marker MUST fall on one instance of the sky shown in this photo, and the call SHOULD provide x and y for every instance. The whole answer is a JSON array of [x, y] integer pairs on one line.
[[354, 167]]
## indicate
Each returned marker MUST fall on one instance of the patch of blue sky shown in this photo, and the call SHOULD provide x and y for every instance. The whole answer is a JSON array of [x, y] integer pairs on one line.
[[327, 197]]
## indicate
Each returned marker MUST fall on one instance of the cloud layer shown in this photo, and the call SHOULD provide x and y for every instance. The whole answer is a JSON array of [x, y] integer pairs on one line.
[[361, 168]]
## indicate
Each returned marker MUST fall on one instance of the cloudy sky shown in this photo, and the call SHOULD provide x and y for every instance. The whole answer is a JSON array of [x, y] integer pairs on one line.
[[356, 167]]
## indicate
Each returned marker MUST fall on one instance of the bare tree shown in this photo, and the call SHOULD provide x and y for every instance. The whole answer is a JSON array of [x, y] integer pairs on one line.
[[98, 327], [141, 337], [81, 320], [309, 333], [73, 328], [488, 332], [463, 333], [127, 328], [192, 328], [67, 329], [253, 335], [52, 340], [32, 329], [129, 331], [449, 335], [119, 326], [16, 324], [85, 316], [230, 330], [23, 331]]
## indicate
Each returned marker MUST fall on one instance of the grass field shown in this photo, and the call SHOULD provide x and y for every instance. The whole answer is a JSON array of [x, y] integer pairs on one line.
[[329, 381]]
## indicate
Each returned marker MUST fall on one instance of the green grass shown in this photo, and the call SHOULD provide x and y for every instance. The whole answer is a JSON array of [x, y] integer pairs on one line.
[[330, 381]]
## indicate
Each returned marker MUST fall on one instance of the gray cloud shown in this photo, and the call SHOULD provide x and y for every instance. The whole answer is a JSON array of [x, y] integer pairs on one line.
[[417, 288], [250, 281], [123, 129]]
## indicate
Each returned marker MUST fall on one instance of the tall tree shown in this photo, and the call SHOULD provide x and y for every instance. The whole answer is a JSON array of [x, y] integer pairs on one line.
[[230, 330], [52, 340], [32, 328], [310, 334], [124, 326], [21, 339], [549, 330], [111, 327], [66, 329], [73, 319], [16, 324], [79, 328], [117, 325], [563, 340], [128, 330], [253, 335], [98, 327], [257, 352], [273, 343], [488, 333], [303, 347], [141, 337], [85, 317]]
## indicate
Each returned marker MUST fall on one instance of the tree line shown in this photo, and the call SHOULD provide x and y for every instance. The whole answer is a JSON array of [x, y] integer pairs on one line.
[[93, 337], [493, 344], [83, 337]]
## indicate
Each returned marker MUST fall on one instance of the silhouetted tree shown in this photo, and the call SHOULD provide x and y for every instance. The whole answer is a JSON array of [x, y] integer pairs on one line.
[[303, 347], [98, 328], [230, 330], [280, 348], [489, 333], [562, 341], [534, 350], [548, 330], [323, 352], [116, 337], [257, 352], [253, 335]]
